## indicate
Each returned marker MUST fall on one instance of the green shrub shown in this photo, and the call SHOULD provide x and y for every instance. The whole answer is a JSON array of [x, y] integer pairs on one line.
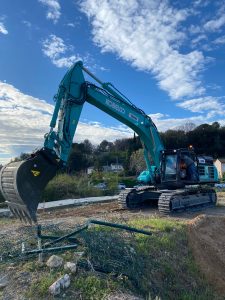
[[65, 186]]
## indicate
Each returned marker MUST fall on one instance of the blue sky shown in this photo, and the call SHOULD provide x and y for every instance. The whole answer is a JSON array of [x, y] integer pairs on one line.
[[167, 57]]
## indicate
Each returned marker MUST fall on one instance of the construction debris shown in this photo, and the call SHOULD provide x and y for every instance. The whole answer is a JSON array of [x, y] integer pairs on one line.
[[61, 283]]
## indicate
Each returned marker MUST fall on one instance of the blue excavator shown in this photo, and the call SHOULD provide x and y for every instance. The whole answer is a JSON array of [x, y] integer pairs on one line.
[[176, 179]]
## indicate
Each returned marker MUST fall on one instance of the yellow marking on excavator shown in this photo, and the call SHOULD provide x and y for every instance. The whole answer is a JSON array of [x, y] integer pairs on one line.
[[35, 173]]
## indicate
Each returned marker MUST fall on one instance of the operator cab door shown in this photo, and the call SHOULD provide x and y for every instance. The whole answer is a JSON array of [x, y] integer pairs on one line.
[[174, 169]]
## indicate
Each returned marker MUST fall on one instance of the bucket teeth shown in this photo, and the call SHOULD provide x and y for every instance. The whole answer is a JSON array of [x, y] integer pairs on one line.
[[22, 214]]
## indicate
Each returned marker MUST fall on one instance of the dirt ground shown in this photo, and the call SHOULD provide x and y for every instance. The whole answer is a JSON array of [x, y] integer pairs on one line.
[[206, 231], [206, 235]]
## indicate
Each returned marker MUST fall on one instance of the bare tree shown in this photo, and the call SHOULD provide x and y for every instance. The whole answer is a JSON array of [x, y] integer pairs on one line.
[[189, 126]]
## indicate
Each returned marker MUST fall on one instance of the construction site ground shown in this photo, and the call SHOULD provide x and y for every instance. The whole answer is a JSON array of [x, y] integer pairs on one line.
[[200, 238]]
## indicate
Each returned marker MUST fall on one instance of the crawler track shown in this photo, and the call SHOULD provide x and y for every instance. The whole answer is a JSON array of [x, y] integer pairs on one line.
[[169, 201], [124, 201]]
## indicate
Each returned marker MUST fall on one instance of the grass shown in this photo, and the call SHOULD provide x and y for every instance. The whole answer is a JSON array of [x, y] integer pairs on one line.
[[39, 288], [93, 287], [160, 265], [5, 221]]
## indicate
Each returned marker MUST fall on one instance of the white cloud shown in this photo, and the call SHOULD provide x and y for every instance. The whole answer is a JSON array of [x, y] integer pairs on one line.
[[53, 9], [202, 104], [27, 23], [55, 48], [147, 34], [195, 29], [215, 24], [220, 40], [73, 25], [199, 39], [164, 122], [23, 121], [3, 30]]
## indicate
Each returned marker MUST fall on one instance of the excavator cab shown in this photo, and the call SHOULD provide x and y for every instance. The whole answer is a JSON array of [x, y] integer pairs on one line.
[[179, 167]]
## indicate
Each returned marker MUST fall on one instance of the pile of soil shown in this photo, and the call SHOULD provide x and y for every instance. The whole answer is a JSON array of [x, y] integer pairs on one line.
[[206, 236]]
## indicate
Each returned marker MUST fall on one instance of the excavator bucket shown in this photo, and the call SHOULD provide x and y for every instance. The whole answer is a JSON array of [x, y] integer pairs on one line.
[[23, 182]]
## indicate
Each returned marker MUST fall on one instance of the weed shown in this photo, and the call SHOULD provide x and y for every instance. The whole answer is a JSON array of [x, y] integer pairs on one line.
[[93, 287], [39, 288]]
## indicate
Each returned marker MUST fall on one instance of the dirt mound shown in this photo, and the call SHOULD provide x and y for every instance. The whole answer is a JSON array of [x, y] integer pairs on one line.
[[207, 239]]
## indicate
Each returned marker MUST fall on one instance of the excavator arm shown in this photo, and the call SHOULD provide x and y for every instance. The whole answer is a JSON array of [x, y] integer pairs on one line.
[[22, 182], [74, 91]]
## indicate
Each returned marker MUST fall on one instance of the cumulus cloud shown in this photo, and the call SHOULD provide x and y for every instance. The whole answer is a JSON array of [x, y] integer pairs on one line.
[[3, 30], [147, 34], [53, 9], [55, 48], [202, 104]]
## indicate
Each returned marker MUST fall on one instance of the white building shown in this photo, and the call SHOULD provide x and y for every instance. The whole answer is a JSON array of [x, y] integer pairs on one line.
[[90, 170], [112, 168], [116, 168], [219, 163]]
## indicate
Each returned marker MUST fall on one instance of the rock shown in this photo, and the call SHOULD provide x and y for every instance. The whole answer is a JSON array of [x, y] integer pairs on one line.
[[66, 280], [69, 266], [61, 283], [54, 261], [54, 289], [4, 281]]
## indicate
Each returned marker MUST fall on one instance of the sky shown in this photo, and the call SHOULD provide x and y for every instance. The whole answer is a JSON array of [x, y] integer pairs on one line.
[[167, 57]]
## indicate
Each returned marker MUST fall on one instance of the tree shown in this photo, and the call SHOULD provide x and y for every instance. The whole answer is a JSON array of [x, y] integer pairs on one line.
[[189, 126], [105, 146], [22, 156], [137, 161]]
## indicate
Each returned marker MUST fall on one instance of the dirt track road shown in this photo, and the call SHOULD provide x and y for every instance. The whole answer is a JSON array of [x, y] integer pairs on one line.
[[111, 211]]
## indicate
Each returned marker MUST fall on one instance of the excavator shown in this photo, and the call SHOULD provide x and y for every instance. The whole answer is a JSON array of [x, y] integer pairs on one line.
[[166, 180]]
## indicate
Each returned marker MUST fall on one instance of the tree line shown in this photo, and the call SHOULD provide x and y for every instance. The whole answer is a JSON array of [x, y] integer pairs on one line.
[[206, 139]]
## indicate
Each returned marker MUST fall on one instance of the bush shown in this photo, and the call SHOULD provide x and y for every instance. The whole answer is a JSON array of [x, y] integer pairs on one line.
[[64, 186]]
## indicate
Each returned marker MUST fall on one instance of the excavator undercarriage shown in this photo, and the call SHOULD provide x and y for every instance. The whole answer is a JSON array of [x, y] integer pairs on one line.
[[168, 201]]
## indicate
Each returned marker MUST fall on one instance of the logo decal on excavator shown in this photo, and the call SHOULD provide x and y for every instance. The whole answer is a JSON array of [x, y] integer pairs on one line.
[[115, 106], [35, 173]]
